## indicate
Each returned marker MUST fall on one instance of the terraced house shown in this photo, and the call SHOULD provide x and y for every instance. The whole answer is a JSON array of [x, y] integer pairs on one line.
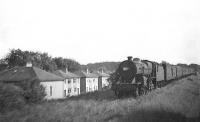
[[88, 81], [71, 83], [102, 79]]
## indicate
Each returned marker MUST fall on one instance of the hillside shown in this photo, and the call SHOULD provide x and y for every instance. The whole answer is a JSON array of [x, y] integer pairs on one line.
[[178, 101], [108, 66]]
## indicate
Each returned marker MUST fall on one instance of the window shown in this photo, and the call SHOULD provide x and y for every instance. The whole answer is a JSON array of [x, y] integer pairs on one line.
[[50, 90], [78, 90], [65, 81], [74, 89], [65, 93], [93, 80], [87, 89], [69, 90], [90, 89], [74, 80], [69, 81]]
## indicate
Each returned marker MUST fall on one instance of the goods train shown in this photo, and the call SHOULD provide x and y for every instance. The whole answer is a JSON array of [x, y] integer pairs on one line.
[[137, 77]]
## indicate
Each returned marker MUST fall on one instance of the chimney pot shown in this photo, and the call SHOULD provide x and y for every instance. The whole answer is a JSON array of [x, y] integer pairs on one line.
[[102, 70], [66, 70], [87, 71]]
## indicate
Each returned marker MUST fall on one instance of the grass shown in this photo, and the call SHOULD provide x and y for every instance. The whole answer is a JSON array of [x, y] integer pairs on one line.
[[178, 101]]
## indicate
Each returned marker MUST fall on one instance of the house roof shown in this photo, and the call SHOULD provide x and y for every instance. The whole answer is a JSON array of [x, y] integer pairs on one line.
[[100, 74], [65, 75], [87, 75], [28, 73]]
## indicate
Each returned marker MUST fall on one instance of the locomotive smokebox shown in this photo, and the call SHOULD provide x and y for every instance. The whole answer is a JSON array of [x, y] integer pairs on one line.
[[127, 70]]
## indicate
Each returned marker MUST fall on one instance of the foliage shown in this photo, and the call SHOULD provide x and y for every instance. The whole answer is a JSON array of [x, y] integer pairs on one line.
[[33, 91], [17, 57], [3, 64], [114, 77], [16, 95], [63, 63], [109, 66], [11, 97]]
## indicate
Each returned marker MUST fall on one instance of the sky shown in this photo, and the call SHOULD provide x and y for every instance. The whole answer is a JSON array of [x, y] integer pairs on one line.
[[91, 31]]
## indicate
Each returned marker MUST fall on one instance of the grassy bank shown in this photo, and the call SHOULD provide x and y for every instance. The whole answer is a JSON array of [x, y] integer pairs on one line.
[[178, 101]]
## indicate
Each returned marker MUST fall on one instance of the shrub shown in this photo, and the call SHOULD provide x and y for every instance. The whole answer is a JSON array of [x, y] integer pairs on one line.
[[10, 97], [34, 92]]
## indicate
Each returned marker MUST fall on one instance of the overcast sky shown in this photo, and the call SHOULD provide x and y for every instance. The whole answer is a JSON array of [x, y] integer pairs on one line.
[[103, 30]]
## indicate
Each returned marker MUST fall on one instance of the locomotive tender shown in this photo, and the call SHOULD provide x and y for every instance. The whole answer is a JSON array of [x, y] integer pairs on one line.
[[136, 77]]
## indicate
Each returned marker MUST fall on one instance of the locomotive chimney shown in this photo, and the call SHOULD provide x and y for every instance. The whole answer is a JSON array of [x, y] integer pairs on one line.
[[130, 58]]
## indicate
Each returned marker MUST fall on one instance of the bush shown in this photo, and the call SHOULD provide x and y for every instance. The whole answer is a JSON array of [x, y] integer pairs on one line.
[[15, 96], [10, 97], [33, 91]]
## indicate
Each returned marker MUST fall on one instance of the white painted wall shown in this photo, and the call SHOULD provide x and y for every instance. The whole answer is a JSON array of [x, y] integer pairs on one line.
[[105, 82], [57, 89], [91, 84], [72, 86]]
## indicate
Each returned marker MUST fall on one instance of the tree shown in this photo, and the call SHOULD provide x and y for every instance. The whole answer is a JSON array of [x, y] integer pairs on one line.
[[63, 63], [17, 57], [3, 65], [34, 92], [11, 97], [72, 65], [47, 62]]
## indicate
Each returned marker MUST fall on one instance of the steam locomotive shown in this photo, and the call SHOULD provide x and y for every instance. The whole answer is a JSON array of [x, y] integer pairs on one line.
[[137, 77]]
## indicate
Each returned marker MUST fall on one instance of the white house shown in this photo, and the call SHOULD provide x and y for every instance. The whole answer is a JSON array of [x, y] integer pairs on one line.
[[102, 79], [54, 85], [71, 83], [88, 81]]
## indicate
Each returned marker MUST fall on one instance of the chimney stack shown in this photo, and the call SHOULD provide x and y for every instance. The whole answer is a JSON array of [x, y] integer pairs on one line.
[[101, 70], [66, 70], [87, 71]]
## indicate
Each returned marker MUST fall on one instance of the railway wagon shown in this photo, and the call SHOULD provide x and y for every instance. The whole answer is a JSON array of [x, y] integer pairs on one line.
[[179, 71], [159, 74], [168, 71], [174, 72]]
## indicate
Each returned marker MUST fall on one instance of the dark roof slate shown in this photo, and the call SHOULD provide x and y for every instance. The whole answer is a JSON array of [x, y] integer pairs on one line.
[[65, 75], [87, 75], [100, 74], [28, 73]]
